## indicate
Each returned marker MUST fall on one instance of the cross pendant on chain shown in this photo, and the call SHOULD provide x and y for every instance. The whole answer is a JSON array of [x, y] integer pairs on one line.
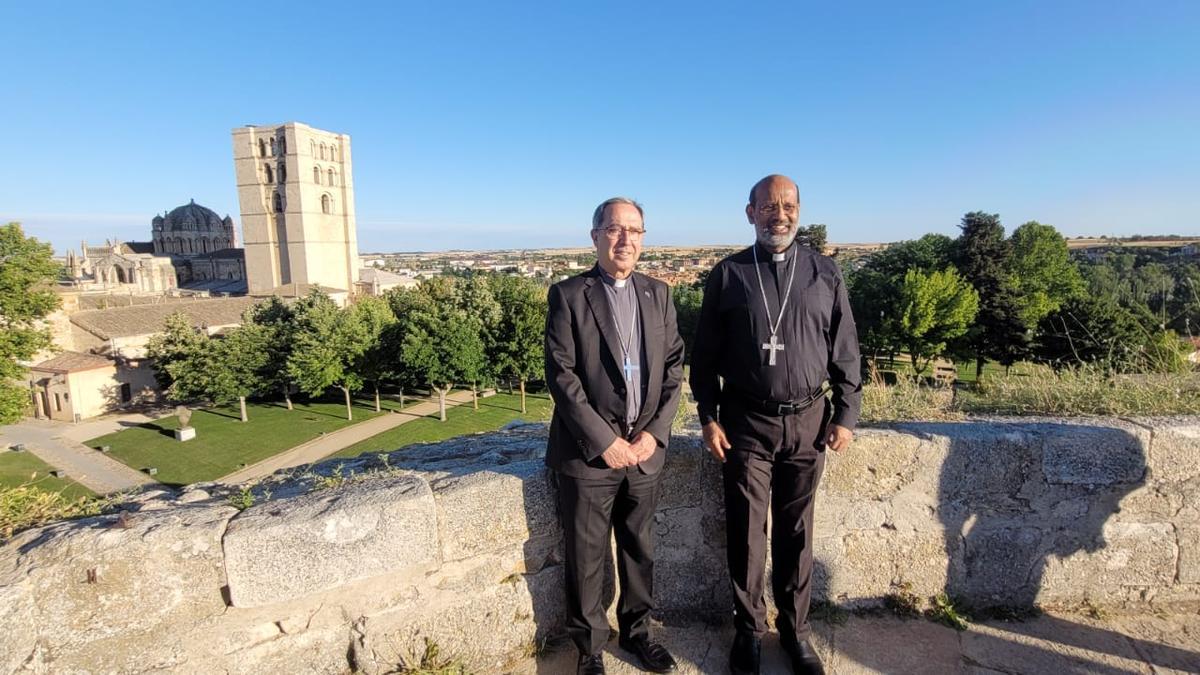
[[774, 346], [630, 369]]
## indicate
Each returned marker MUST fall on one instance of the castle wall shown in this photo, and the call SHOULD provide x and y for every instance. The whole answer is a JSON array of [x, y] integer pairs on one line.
[[459, 542]]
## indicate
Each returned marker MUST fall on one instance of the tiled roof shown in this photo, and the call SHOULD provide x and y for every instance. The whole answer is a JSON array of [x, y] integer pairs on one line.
[[72, 362], [149, 319]]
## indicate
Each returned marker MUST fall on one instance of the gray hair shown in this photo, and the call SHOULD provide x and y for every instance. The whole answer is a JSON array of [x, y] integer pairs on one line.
[[598, 215]]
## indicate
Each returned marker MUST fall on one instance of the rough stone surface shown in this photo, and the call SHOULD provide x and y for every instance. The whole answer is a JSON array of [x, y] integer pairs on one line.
[[286, 549], [103, 586], [460, 542]]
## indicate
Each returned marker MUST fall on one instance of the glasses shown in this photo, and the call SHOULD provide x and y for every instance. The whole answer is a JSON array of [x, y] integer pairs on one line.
[[615, 232], [772, 209]]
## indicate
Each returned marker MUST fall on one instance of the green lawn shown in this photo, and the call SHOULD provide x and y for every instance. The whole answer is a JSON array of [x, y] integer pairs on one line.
[[223, 443], [494, 412], [24, 468]]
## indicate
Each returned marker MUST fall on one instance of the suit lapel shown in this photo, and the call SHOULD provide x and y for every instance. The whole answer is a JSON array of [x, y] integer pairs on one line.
[[604, 318]]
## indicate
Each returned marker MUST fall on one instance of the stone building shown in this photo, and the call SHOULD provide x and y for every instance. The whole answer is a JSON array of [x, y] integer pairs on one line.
[[296, 192], [192, 229], [191, 248]]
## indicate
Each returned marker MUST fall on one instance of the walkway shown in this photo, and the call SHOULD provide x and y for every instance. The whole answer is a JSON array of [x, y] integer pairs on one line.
[[58, 444], [323, 446], [1060, 643]]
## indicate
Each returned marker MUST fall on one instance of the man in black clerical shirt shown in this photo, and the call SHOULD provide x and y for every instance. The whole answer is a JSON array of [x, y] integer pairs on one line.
[[775, 374], [614, 366]]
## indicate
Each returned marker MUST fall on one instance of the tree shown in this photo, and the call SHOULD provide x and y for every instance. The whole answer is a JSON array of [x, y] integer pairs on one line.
[[1088, 329], [479, 302], [934, 309], [328, 340], [443, 346], [875, 288], [241, 365], [1041, 269], [812, 236], [519, 351], [374, 363], [981, 255], [183, 359], [27, 269], [276, 320], [687, 301], [406, 304]]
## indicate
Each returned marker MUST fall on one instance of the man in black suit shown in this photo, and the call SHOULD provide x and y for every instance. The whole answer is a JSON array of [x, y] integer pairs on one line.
[[614, 366]]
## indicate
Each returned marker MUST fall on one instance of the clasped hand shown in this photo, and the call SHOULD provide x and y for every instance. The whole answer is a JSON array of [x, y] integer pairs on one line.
[[623, 453]]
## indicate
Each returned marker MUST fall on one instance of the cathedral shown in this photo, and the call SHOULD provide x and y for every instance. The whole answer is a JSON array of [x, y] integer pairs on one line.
[[191, 248]]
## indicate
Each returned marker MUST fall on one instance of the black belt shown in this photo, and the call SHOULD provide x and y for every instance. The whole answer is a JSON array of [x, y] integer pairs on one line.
[[779, 408]]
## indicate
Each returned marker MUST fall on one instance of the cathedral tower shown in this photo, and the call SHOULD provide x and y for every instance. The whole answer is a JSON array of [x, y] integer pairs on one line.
[[297, 198]]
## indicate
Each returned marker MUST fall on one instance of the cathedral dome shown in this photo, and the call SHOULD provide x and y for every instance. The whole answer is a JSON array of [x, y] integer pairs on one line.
[[192, 217]]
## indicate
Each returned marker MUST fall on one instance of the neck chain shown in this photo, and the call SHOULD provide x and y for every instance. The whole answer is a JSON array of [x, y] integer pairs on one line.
[[773, 325]]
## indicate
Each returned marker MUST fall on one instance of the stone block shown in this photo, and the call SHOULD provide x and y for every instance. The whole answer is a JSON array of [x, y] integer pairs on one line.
[[987, 465], [682, 480], [1175, 451], [1049, 644], [289, 548], [1002, 565], [491, 509], [110, 581], [871, 562], [1077, 454], [879, 463], [889, 645], [1126, 555], [185, 434]]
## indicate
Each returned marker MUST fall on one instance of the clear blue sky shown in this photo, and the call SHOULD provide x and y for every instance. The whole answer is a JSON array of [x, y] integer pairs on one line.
[[495, 124]]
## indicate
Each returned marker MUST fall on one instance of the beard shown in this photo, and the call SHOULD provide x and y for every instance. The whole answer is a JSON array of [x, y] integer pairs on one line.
[[776, 242]]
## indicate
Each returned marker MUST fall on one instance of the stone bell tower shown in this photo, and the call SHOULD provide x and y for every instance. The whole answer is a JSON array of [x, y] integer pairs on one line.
[[296, 191]]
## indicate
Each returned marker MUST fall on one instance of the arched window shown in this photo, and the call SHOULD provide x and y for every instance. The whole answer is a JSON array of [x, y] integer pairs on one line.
[[317, 175], [332, 178], [262, 148], [322, 151], [312, 149], [278, 203], [282, 173], [272, 147], [326, 204], [270, 173], [283, 146], [333, 152]]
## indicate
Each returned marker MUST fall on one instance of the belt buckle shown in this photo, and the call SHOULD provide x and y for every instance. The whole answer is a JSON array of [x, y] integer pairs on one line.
[[785, 409]]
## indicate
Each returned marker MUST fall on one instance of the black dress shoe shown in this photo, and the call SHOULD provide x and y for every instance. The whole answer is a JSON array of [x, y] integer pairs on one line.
[[746, 656], [652, 656], [805, 660], [590, 664]]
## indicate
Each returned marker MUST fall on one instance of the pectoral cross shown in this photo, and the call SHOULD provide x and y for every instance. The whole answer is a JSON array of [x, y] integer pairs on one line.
[[774, 346], [629, 369]]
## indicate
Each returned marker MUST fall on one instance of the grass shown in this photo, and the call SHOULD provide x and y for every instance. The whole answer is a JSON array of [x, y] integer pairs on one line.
[[223, 442], [24, 469], [494, 412], [1030, 389]]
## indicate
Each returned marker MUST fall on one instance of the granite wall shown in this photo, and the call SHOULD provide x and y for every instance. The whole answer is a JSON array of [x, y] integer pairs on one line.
[[352, 566]]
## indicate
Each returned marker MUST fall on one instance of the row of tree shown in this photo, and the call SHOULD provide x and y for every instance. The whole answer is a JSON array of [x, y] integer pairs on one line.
[[984, 296], [26, 269], [467, 331]]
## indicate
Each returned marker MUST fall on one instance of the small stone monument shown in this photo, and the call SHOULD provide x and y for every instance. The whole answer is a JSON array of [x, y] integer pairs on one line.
[[18, 447], [186, 431]]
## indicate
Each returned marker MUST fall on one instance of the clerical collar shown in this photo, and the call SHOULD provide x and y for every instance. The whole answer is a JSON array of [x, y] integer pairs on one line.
[[773, 256], [613, 281]]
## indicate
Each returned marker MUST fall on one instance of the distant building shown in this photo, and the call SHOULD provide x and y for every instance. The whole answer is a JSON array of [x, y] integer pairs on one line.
[[191, 248], [372, 281], [104, 367], [296, 191]]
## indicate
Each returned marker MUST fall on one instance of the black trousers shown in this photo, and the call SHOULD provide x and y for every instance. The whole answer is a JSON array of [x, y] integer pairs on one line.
[[622, 504], [776, 461]]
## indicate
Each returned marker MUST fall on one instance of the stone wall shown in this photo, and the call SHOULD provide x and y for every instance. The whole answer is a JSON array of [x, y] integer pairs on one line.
[[459, 542]]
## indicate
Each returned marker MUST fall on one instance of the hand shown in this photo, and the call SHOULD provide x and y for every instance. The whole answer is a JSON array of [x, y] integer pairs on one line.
[[644, 446], [838, 437], [715, 441], [620, 454]]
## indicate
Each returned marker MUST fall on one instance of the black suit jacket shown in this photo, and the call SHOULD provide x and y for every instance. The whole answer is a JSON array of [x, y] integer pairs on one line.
[[583, 372]]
